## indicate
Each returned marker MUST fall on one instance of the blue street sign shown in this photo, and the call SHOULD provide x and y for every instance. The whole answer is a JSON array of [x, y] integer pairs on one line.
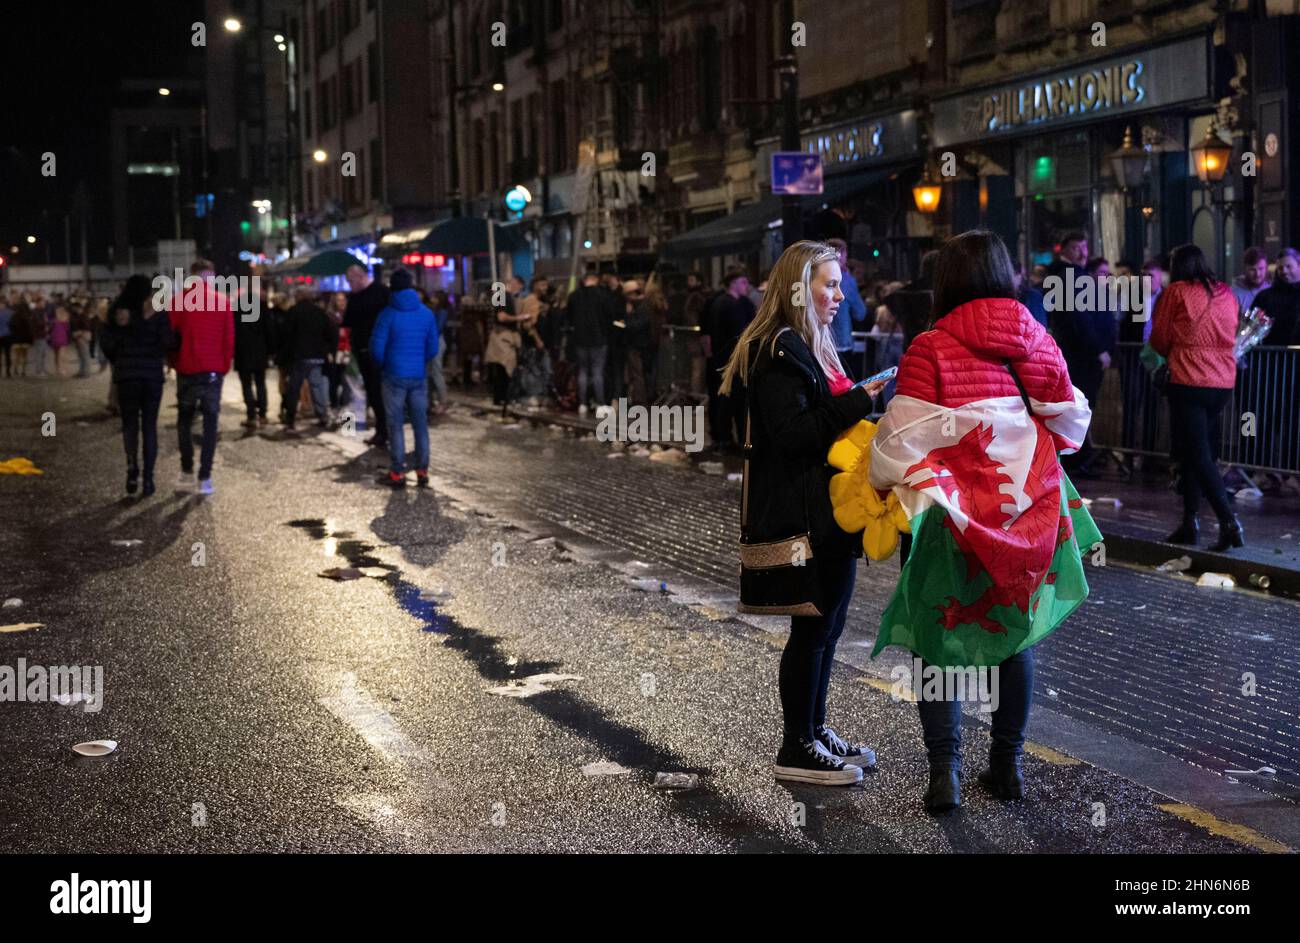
[[796, 172]]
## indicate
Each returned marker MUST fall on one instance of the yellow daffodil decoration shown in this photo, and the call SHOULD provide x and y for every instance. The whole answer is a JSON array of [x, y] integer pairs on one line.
[[857, 505]]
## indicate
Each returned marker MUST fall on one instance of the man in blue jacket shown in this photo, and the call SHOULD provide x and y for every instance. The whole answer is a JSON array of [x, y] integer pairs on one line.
[[404, 341]]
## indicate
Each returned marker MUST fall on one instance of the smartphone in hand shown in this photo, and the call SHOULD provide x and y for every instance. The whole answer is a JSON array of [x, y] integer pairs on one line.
[[882, 375]]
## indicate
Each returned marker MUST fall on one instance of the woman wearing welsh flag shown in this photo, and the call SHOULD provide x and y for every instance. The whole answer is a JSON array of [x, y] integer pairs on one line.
[[995, 562]]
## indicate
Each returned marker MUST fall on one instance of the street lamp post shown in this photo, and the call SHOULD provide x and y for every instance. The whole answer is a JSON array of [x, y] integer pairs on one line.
[[1210, 160], [787, 67]]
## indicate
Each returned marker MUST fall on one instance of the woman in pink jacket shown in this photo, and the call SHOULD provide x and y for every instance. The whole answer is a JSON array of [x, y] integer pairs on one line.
[[1196, 327]]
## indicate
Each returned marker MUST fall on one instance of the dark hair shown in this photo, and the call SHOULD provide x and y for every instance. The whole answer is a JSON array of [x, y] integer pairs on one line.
[[1096, 262], [1253, 255], [972, 265], [135, 292], [732, 276], [400, 280], [1074, 235], [1187, 264]]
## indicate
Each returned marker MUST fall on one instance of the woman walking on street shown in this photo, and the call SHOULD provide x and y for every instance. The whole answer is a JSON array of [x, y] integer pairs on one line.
[[799, 402], [1196, 328], [136, 341]]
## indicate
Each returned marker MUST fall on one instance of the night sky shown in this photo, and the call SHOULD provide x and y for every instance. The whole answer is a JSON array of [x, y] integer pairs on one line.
[[64, 64]]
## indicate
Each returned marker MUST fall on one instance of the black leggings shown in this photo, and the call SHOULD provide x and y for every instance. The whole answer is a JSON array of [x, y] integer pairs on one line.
[[1194, 413], [810, 650], [138, 401]]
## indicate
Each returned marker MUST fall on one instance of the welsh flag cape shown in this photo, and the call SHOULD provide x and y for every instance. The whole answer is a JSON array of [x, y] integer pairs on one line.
[[997, 528]]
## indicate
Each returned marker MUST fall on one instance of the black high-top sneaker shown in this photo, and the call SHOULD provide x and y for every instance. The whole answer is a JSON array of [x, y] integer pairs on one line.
[[850, 753], [807, 761]]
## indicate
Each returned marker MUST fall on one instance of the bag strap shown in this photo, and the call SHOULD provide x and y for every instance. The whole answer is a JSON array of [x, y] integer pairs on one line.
[[1020, 386]]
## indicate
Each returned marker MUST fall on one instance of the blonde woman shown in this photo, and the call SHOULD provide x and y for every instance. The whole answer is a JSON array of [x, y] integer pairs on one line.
[[800, 400]]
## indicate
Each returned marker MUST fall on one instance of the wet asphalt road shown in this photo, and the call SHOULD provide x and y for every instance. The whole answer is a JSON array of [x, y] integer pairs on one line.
[[261, 707]]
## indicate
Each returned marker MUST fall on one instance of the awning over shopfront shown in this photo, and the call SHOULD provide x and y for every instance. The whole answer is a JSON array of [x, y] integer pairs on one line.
[[744, 229], [468, 235]]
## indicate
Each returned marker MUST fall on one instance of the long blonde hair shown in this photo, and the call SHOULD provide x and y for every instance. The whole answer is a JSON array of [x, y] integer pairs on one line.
[[778, 310]]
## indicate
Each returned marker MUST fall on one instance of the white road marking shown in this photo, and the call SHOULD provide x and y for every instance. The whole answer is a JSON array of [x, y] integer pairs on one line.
[[356, 708]]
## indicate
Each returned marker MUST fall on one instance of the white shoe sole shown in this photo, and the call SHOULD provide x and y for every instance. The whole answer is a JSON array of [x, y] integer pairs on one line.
[[848, 776], [858, 761]]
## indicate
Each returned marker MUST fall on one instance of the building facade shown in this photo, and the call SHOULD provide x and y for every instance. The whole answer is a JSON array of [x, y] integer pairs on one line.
[[642, 130]]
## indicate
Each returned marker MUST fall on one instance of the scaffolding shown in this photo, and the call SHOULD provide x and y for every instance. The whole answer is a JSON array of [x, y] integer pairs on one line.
[[619, 68]]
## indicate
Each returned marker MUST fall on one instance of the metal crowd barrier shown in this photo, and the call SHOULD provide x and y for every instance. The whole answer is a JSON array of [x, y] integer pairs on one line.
[[1259, 428]]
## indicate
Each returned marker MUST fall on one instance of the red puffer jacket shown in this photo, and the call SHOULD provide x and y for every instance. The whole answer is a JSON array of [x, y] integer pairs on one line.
[[205, 322], [965, 359], [1197, 333]]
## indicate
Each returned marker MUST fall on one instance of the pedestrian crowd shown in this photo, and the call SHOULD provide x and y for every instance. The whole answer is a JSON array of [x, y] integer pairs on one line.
[[36, 330]]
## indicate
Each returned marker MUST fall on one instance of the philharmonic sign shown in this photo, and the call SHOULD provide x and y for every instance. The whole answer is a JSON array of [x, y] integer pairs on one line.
[[1139, 81], [1090, 90]]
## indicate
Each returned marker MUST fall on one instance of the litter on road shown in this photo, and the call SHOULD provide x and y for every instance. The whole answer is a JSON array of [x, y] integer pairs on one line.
[[676, 782], [95, 747]]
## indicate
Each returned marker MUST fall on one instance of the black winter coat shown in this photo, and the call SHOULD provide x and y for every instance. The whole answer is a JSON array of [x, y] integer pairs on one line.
[[137, 349], [795, 420], [589, 312], [312, 333], [253, 339], [1281, 302]]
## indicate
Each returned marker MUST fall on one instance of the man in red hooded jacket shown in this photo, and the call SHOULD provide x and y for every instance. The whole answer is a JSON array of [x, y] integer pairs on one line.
[[203, 319]]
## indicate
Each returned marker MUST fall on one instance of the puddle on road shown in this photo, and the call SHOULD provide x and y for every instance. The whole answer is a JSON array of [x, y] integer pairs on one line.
[[627, 746]]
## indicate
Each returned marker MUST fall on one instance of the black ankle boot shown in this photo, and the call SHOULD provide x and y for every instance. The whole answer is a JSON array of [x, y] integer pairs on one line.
[[146, 486], [1230, 535], [1188, 533], [944, 792], [132, 477], [1004, 779]]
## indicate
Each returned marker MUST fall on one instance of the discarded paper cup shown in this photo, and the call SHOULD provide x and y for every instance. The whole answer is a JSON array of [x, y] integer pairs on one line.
[[1216, 581]]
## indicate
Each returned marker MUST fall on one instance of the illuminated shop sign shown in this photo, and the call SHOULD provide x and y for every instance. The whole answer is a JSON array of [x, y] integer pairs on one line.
[[1093, 90], [864, 142], [1139, 81]]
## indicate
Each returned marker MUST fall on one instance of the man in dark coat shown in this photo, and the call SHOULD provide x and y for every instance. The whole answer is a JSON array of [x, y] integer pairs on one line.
[[367, 299], [253, 342], [313, 336], [590, 312], [727, 316]]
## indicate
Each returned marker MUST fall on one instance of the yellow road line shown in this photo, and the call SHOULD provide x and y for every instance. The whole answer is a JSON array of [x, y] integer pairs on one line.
[[1216, 826], [1049, 755]]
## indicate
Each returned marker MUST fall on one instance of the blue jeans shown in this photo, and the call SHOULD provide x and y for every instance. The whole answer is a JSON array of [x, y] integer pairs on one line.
[[312, 372], [591, 370], [941, 719], [201, 393], [407, 398]]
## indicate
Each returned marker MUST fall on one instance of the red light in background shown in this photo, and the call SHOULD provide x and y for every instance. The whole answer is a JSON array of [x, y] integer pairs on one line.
[[411, 258], [439, 261]]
